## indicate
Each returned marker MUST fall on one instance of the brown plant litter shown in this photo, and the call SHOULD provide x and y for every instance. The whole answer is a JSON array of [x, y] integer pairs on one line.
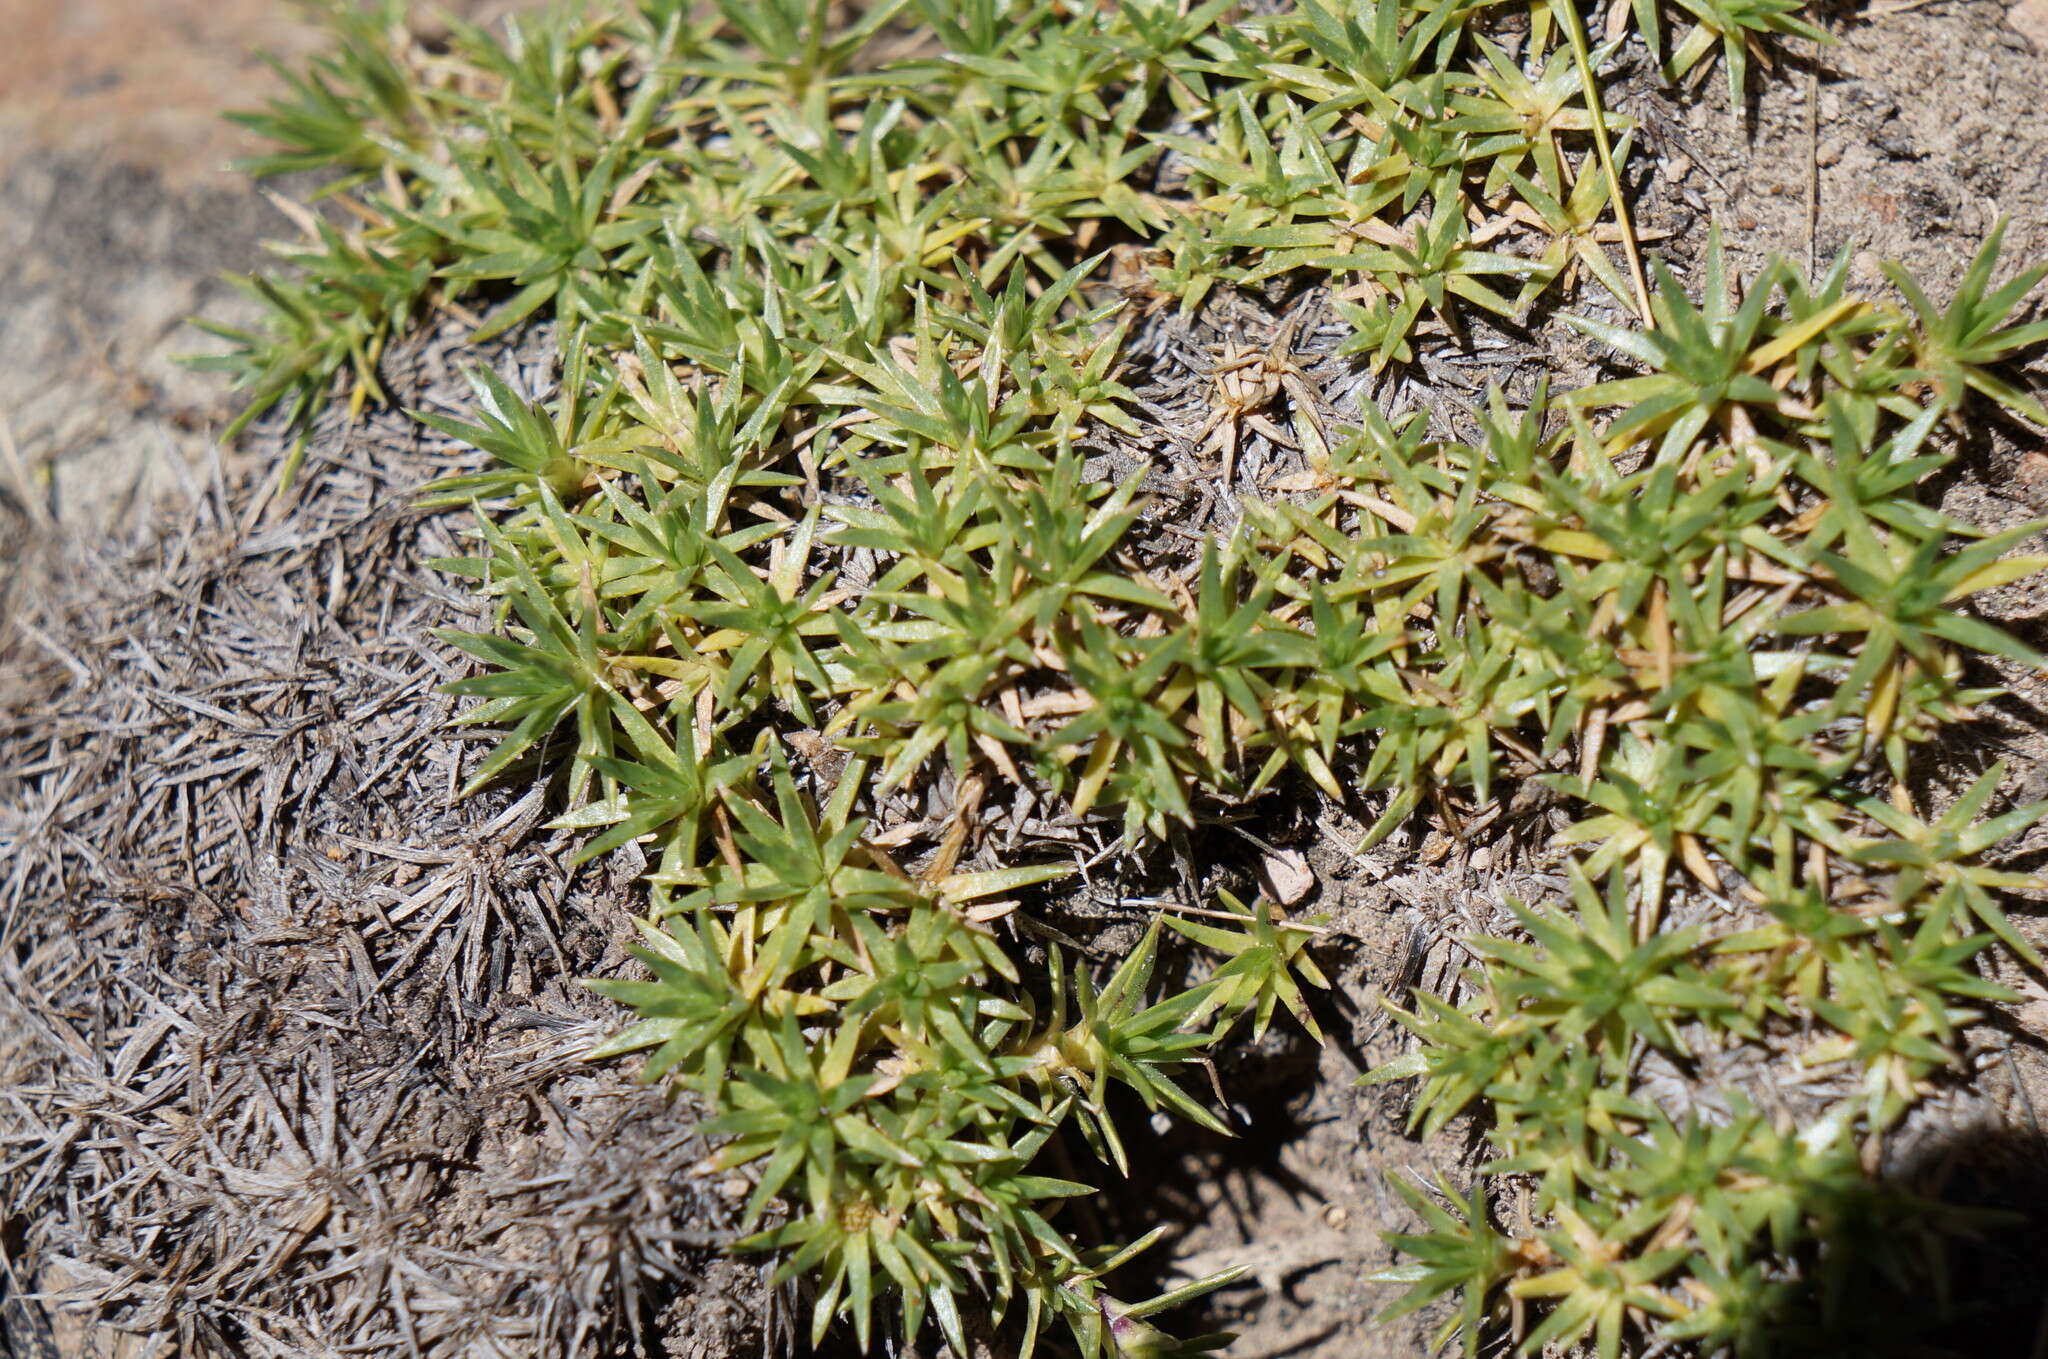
[[288, 1046]]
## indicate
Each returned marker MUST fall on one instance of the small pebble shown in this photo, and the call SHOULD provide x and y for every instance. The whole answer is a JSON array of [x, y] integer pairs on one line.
[[2030, 19]]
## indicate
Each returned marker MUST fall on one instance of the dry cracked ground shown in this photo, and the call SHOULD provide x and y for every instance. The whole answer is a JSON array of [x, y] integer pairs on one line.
[[377, 995]]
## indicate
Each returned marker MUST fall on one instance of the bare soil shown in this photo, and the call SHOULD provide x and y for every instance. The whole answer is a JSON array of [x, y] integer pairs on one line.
[[118, 215], [288, 1037]]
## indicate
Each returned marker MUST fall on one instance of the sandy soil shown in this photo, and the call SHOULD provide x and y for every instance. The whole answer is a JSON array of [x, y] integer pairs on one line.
[[118, 213]]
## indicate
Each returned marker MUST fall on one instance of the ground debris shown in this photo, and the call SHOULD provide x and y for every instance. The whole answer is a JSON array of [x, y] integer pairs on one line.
[[289, 1039]]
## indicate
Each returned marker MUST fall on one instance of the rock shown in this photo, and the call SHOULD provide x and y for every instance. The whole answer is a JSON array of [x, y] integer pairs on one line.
[[2030, 19], [1286, 876]]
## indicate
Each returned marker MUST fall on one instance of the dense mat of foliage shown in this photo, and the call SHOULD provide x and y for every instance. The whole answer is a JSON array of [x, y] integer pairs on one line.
[[831, 286]]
